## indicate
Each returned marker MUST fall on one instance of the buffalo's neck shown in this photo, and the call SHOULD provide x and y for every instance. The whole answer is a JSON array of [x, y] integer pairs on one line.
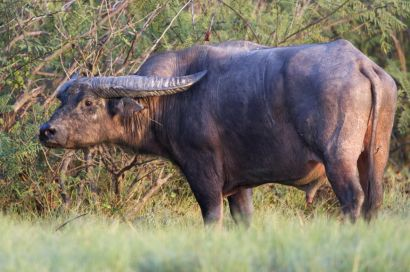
[[148, 125]]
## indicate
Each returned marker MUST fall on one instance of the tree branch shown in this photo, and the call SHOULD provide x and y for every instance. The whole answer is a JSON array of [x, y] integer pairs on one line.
[[137, 35], [151, 191], [400, 53], [162, 35], [314, 22], [243, 19]]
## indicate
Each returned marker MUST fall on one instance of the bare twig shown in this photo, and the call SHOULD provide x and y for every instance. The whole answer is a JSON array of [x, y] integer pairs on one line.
[[207, 37], [316, 22], [193, 18], [69, 221], [117, 174], [26, 97], [46, 159], [400, 52], [88, 156], [60, 81], [132, 189], [137, 35], [128, 166], [22, 103], [277, 23], [5, 76], [300, 8], [30, 20], [55, 54], [162, 35], [61, 180], [243, 19], [100, 47], [23, 36], [46, 74], [399, 146], [107, 160], [152, 190], [117, 9]]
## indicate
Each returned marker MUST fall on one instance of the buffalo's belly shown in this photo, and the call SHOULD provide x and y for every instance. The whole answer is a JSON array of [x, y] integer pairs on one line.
[[302, 175], [315, 170], [291, 163]]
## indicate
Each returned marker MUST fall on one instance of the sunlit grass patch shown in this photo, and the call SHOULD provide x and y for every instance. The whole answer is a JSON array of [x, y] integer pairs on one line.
[[274, 243], [168, 235]]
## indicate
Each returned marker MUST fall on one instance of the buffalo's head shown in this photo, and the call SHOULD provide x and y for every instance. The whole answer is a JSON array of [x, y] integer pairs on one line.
[[99, 109]]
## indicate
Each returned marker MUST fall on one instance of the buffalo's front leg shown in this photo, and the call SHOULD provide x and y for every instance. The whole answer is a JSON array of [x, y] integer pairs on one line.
[[241, 206], [210, 201], [206, 184]]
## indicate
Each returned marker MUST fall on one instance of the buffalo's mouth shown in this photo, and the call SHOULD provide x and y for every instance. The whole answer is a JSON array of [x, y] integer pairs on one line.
[[50, 143]]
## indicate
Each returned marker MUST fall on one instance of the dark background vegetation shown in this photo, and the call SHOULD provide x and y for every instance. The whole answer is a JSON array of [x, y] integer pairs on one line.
[[43, 42]]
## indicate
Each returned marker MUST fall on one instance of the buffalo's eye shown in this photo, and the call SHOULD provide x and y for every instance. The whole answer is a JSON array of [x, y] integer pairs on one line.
[[88, 103]]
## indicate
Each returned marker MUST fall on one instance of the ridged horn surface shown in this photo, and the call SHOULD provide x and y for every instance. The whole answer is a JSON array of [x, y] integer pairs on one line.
[[139, 86]]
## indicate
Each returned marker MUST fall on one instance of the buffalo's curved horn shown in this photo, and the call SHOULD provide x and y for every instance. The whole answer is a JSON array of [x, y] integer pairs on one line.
[[138, 86]]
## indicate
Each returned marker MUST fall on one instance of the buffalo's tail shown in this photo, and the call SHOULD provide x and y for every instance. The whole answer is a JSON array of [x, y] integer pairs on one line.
[[374, 190]]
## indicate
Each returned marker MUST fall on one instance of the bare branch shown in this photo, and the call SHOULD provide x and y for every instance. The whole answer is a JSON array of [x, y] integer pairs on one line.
[[26, 97], [137, 35], [70, 220], [193, 18], [399, 146], [151, 191], [207, 37], [61, 180], [400, 53], [129, 165], [23, 102], [22, 36], [243, 19], [316, 22], [162, 35]]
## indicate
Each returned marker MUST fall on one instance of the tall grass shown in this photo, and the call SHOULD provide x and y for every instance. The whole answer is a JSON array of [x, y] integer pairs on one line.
[[285, 236], [274, 243]]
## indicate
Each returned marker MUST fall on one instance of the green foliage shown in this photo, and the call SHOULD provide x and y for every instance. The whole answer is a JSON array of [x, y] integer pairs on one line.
[[18, 153], [5, 105], [403, 79], [43, 42], [275, 242]]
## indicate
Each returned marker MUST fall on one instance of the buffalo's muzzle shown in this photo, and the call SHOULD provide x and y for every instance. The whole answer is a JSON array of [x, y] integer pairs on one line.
[[48, 135]]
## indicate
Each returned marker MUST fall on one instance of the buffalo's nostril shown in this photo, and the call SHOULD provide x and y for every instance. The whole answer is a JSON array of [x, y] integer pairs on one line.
[[50, 132], [47, 132]]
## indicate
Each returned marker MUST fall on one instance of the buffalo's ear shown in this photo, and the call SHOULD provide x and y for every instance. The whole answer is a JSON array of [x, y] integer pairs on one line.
[[124, 106]]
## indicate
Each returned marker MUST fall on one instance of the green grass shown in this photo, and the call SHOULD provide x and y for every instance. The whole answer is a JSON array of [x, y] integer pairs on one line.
[[274, 243], [285, 236]]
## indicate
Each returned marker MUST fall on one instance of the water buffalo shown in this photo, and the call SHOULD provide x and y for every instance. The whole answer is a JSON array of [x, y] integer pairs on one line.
[[238, 115]]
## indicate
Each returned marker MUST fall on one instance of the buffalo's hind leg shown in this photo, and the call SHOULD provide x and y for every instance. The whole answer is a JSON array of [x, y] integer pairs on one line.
[[241, 207], [344, 178]]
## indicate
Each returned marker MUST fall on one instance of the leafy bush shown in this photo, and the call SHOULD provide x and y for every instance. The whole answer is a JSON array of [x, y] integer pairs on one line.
[[44, 42]]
